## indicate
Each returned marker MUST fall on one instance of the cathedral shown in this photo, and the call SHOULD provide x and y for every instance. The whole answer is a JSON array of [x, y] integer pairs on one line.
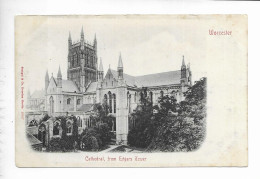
[[87, 85]]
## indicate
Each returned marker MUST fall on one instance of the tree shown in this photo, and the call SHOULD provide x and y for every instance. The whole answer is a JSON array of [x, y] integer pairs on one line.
[[183, 131], [143, 132], [186, 131]]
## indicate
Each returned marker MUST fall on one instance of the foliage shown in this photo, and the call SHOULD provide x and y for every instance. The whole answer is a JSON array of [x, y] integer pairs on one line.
[[55, 145], [99, 136], [142, 134], [90, 140], [104, 133], [184, 131]]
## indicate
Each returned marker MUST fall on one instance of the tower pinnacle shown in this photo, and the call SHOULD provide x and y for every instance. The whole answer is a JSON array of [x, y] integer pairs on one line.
[[47, 75], [59, 73], [82, 32], [183, 62], [120, 62], [100, 66], [69, 36]]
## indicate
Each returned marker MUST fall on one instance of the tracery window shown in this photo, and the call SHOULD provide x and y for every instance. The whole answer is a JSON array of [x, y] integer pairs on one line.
[[114, 96], [68, 101], [56, 128], [69, 127], [110, 101], [78, 101]]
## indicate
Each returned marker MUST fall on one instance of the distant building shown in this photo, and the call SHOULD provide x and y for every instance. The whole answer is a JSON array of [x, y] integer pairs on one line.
[[36, 101]]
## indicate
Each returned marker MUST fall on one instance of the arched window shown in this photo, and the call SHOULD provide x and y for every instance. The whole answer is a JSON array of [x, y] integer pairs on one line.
[[69, 127], [151, 97], [51, 105], [161, 93], [68, 101], [33, 123], [114, 96], [110, 102], [135, 97], [78, 101], [127, 98], [105, 99], [129, 101], [56, 128], [79, 121], [141, 97]]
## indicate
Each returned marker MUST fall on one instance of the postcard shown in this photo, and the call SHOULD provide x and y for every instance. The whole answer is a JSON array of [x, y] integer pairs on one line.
[[131, 90]]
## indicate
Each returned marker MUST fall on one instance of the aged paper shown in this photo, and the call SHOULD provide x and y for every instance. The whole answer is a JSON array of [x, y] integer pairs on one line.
[[131, 91]]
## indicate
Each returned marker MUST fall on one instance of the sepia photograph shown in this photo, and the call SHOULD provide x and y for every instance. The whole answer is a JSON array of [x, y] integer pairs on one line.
[[96, 87]]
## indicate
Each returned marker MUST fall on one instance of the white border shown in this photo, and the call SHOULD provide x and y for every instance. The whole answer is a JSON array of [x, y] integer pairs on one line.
[[8, 9]]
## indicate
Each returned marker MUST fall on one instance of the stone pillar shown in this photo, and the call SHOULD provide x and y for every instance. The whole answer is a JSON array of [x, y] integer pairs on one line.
[[121, 115], [75, 103]]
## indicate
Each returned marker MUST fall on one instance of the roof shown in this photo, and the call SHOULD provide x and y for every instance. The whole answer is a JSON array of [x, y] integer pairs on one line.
[[157, 79], [33, 140], [92, 87], [130, 80], [68, 86], [86, 107], [38, 94]]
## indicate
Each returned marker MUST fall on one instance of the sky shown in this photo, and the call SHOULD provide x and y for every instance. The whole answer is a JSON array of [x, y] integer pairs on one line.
[[148, 44]]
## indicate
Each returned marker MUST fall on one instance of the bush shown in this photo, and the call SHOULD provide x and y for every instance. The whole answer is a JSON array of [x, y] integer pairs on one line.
[[104, 133], [54, 145], [90, 139], [90, 143]]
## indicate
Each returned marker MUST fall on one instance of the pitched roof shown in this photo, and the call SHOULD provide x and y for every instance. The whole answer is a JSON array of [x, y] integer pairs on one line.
[[33, 140], [130, 80], [157, 79], [38, 94], [68, 86], [92, 87], [86, 107]]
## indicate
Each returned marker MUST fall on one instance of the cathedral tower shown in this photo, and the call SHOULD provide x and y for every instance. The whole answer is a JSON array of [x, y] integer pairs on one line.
[[82, 61], [121, 110]]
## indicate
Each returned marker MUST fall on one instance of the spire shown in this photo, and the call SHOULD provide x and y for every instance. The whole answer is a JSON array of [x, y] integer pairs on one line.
[[59, 73], [183, 62], [120, 63], [69, 36], [82, 33], [95, 39], [100, 66], [47, 75]]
